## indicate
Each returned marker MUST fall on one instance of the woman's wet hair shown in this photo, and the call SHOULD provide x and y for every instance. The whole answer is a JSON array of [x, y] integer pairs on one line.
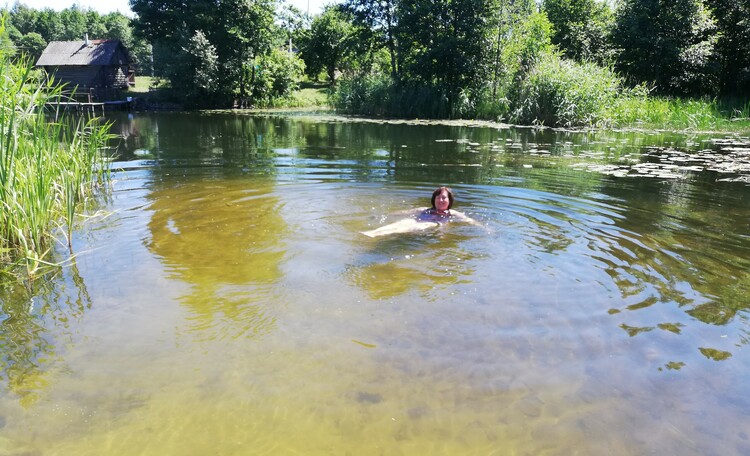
[[440, 190]]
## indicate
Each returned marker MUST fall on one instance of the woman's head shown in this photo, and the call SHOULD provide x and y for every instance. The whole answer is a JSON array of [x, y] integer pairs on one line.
[[440, 191]]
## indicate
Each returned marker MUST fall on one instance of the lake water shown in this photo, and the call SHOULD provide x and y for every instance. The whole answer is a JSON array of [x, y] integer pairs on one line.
[[223, 301]]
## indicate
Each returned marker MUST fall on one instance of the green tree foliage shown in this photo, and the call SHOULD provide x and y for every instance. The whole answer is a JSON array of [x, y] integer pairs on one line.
[[667, 43], [73, 22], [96, 24], [329, 44], [239, 30], [49, 24], [531, 40], [24, 19], [446, 46], [379, 18], [293, 23], [733, 44], [277, 75], [508, 15], [581, 28], [448, 56], [32, 44], [197, 71]]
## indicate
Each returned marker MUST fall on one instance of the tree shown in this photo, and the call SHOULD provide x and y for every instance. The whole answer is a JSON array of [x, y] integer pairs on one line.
[[379, 16], [200, 67], [531, 40], [328, 44], [24, 19], [32, 44], [733, 44], [277, 76], [96, 25], [581, 28], [239, 30], [667, 43], [510, 16], [49, 25], [446, 45], [292, 23], [247, 32], [74, 24]]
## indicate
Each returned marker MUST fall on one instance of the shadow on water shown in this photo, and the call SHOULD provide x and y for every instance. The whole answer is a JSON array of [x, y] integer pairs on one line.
[[412, 263], [225, 240]]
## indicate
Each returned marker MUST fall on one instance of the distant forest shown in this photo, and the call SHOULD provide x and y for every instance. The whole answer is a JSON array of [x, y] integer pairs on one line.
[[562, 62]]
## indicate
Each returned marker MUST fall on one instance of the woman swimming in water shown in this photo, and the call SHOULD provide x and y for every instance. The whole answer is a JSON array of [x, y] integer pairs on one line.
[[423, 218], [440, 212]]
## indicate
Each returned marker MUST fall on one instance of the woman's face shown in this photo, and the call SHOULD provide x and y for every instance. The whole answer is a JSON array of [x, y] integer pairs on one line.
[[442, 201]]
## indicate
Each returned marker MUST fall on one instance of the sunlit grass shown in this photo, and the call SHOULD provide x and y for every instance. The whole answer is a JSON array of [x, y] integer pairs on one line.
[[309, 97], [682, 114], [143, 84], [46, 168]]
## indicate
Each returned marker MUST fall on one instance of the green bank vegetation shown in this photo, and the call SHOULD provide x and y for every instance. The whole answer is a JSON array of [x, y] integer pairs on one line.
[[562, 63], [566, 63], [47, 169]]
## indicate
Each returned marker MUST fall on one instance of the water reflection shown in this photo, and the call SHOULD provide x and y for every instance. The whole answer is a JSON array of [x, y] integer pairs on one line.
[[35, 323], [226, 239], [646, 235], [703, 272]]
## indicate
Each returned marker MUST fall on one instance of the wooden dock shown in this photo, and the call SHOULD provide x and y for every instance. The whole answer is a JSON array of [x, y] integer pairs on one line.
[[76, 106], [89, 107]]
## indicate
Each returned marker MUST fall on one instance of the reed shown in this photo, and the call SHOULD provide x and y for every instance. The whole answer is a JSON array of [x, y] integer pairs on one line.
[[365, 95], [681, 114], [46, 168], [561, 92]]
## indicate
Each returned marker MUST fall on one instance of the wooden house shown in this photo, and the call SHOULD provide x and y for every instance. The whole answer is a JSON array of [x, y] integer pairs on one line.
[[96, 67]]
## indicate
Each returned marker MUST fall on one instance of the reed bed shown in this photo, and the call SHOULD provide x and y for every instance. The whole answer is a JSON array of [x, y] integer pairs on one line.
[[682, 114], [556, 92], [47, 169]]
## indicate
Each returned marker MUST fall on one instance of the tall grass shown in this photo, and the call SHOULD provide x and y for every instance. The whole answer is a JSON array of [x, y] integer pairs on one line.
[[378, 95], [46, 168], [681, 114], [367, 95], [560, 92]]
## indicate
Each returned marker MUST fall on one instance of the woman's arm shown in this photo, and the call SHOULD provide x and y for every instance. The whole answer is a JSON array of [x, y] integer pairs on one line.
[[461, 217], [410, 212]]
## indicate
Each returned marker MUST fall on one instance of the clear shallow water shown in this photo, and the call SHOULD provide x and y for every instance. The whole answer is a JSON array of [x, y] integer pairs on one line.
[[222, 300]]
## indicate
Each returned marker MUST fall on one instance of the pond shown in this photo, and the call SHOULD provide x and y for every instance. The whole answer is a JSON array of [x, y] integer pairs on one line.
[[223, 301]]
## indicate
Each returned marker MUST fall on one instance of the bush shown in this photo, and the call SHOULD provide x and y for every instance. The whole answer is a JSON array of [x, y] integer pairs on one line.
[[367, 95], [561, 92], [276, 77], [377, 95]]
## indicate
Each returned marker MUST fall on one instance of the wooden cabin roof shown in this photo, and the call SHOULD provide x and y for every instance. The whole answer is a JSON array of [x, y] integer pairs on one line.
[[83, 52]]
